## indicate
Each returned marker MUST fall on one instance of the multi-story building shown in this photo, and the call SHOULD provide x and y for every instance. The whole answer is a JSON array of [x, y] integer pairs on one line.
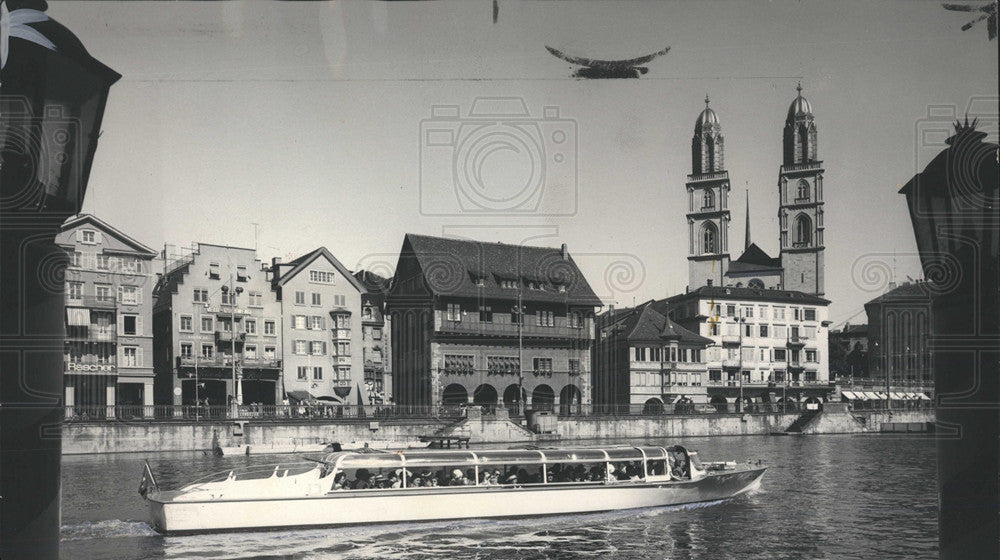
[[376, 337], [643, 358], [217, 328], [320, 306], [898, 334], [849, 351], [770, 345], [109, 302], [473, 321]]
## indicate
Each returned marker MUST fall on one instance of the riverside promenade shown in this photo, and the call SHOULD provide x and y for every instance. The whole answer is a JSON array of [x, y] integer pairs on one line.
[[171, 428]]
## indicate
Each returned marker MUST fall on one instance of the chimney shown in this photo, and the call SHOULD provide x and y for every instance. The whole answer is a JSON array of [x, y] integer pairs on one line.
[[565, 252]]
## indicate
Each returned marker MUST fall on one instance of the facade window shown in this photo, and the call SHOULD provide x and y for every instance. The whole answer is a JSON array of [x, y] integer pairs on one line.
[[708, 200], [269, 328], [713, 329], [321, 277], [201, 296], [809, 314], [340, 300], [228, 299], [762, 311], [343, 348], [779, 354], [748, 330], [74, 258], [207, 324], [803, 231], [802, 193], [317, 372], [502, 365], [545, 318], [129, 325], [341, 321], [810, 376], [376, 334], [516, 314], [241, 273], [763, 331], [366, 313], [300, 298], [317, 323], [543, 366], [129, 295], [74, 290], [575, 320], [508, 284], [254, 299], [454, 312], [207, 351], [317, 348], [343, 373], [455, 364], [103, 293], [214, 271], [795, 314], [250, 352], [811, 356], [130, 356], [269, 352], [486, 313], [780, 332], [186, 323], [88, 236], [302, 372], [300, 347], [186, 350], [779, 313], [103, 262], [250, 326], [298, 321], [317, 299], [765, 354], [574, 367], [809, 332], [747, 311], [731, 310]]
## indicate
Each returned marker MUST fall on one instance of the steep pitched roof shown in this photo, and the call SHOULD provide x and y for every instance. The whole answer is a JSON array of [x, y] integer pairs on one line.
[[305, 260], [452, 267], [107, 228], [646, 324], [754, 259]]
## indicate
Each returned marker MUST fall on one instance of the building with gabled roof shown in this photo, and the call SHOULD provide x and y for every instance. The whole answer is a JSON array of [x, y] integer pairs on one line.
[[108, 360], [320, 303], [644, 359], [472, 321], [376, 337]]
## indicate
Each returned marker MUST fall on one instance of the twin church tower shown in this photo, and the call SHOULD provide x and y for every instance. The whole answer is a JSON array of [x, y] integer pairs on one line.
[[799, 265]]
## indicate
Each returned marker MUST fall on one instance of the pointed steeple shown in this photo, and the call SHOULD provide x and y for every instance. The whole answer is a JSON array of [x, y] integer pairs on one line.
[[747, 235]]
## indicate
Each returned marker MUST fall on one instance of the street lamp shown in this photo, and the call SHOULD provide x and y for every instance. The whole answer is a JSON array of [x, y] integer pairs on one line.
[[954, 207], [52, 103]]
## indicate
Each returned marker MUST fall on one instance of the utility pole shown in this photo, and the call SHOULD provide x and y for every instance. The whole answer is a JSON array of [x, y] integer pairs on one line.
[[237, 388], [520, 352], [739, 322]]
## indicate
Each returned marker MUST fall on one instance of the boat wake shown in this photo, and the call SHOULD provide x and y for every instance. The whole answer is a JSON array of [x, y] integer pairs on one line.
[[107, 529]]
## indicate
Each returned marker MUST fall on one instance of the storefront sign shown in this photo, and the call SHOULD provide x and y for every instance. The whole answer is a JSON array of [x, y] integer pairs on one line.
[[72, 367]]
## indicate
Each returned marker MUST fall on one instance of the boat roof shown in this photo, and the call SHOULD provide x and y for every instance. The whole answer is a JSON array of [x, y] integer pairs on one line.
[[485, 457]]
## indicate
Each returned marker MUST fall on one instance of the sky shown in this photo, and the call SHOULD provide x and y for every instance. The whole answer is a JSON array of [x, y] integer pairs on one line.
[[287, 126]]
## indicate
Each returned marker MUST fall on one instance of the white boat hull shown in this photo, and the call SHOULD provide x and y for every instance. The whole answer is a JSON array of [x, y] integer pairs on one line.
[[436, 504]]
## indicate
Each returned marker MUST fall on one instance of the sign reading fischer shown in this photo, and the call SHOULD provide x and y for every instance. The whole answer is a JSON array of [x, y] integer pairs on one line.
[[90, 368]]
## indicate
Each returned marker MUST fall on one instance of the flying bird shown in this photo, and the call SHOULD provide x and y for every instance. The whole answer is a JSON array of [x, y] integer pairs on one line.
[[989, 13], [603, 69]]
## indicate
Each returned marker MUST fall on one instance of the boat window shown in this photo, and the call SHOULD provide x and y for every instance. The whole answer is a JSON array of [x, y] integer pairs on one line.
[[656, 467], [437, 459], [624, 454], [508, 456], [655, 452], [695, 461], [574, 455]]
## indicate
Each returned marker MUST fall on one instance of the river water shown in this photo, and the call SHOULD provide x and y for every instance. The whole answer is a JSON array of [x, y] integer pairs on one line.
[[863, 496]]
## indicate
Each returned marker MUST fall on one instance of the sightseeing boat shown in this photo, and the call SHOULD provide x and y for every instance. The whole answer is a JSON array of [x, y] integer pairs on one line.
[[346, 488]]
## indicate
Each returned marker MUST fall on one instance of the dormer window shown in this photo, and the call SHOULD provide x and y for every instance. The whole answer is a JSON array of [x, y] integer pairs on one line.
[[88, 236], [508, 284]]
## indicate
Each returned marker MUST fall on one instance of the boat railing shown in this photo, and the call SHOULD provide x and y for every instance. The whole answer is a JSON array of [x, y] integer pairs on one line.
[[256, 472]]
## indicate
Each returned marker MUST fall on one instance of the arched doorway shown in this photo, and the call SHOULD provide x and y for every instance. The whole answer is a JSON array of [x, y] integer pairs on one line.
[[485, 394], [653, 406], [720, 403], [542, 398], [510, 399], [454, 394], [569, 400]]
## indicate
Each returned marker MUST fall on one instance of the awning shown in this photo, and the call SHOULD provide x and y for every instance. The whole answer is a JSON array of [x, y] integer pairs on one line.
[[850, 395], [872, 396], [300, 396], [923, 396], [899, 396], [77, 316]]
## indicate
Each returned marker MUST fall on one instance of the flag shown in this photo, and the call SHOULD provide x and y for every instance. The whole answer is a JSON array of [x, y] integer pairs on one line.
[[148, 481]]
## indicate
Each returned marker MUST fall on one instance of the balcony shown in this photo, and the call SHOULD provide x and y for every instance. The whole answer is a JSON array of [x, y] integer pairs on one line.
[[801, 166], [227, 337], [92, 302], [795, 365], [261, 363], [796, 340], [730, 339], [708, 176], [93, 334], [511, 330], [731, 364], [227, 310]]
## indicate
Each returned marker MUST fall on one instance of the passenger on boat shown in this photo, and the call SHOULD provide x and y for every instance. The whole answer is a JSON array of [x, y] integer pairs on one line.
[[339, 481], [457, 478], [470, 477], [680, 469], [362, 480]]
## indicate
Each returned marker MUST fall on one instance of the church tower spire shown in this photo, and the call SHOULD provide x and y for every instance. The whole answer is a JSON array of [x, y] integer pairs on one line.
[[800, 212], [746, 236], [708, 203]]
